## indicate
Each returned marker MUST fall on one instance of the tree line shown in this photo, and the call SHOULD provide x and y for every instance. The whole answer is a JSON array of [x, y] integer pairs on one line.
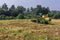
[[21, 12]]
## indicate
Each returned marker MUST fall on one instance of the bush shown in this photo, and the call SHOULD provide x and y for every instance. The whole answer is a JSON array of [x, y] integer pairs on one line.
[[2, 17], [9, 17], [20, 16]]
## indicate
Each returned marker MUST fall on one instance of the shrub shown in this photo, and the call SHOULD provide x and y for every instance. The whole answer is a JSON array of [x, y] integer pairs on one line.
[[20, 16]]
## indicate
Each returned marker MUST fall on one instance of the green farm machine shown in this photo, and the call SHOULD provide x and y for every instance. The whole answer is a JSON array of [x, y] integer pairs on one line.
[[43, 17]]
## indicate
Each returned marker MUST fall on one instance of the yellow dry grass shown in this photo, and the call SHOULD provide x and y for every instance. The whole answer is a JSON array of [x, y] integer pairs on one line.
[[56, 21], [24, 29]]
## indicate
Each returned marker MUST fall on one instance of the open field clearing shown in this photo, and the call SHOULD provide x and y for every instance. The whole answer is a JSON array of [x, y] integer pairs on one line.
[[24, 29]]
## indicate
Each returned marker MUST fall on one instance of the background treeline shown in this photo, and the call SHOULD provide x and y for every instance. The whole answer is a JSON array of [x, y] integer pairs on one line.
[[21, 12]]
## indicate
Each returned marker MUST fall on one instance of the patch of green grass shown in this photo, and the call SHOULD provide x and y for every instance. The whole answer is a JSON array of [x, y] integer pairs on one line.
[[4, 28], [55, 38], [31, 36], [16, 31]]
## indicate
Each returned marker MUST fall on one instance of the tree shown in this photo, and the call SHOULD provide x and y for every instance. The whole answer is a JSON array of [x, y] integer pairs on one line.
[[45, 10], [20, 9], [39, 9], [32, 9], [12, 11], [4, 7], [55, 14], [22, 12], [12, 7], [28, 11]]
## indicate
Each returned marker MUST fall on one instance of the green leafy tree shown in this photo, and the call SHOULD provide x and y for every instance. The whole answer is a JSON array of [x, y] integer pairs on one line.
[[12, 11], [45, 10], [4, 7], [20, 9]]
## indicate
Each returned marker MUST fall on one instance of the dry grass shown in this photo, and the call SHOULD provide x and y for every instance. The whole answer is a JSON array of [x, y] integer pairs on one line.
[[24, 29], [56, 21]]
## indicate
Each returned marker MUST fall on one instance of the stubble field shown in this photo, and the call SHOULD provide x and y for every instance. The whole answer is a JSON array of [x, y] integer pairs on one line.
[[24, 29]]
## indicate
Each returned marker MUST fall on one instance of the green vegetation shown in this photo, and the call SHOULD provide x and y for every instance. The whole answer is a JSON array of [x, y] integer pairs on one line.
[[21, 12], [4, 28]]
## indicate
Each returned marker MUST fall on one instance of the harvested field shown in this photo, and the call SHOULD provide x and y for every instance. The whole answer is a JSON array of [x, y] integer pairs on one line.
[[24, 29]]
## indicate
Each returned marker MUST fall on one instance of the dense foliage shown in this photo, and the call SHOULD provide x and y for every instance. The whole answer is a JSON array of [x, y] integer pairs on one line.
[[21, 12]]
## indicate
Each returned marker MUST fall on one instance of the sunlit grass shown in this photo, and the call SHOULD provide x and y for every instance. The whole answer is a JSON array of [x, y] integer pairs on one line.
[[24, 29]]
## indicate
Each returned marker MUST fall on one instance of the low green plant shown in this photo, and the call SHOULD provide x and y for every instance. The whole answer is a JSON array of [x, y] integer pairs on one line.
[[30, 36], [16, 31], [4, 28]]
